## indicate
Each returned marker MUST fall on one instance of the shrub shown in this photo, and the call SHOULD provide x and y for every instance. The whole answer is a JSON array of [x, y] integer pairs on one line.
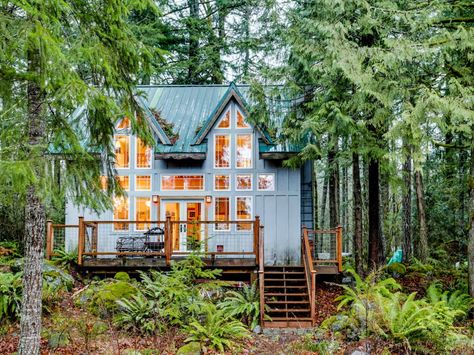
[[122, 276], [244, 305], [64, 259], [215, 329], [10, 295], [456, 300], [138, 314]]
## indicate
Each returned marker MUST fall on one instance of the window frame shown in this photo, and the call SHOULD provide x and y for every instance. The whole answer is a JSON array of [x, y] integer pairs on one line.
[[229, 228], [136, 183], [237, 184], [238, 110], [136, 210], [251, 151], [137, 139], [214, 182], [243, 220], [230, 149], [203, 181], [129, 151], [124, 221], [274, 181], [228, 110]]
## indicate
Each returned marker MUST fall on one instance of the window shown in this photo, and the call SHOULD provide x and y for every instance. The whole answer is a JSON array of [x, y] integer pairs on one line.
[[222, 151], [123, 181], [143, 155], [244, 212], [241, 121], [122, 151], [221, 182], [142, 212], [225, 121], [222, 213], [266, 182], [120, 213], [124, 123], [243, 182], [143, 183], [244, 151], [103, 182], [182, 182]]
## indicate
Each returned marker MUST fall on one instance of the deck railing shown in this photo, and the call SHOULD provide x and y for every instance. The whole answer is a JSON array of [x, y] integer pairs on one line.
[[326, 246], [309, 271], [161, 239], [57, 236]]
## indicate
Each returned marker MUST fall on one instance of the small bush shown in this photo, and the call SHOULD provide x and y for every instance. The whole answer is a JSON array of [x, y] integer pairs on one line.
[[122, 276], [10, 296]]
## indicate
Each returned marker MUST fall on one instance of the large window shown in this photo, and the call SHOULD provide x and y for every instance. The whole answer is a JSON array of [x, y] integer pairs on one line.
[[120, 213], [222, 182], [122, 151], [243, 212], [182, 182], [266, 182], [142, 212], [143, 183], [241, 121], [222, 151], [225, 121], [244, 151], [144, 154], [222, 213], [243, 182]]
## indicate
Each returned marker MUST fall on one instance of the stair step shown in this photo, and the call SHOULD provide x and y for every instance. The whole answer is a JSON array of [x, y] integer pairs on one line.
[[286, 302], [291, 280], [289, 310], [285, 294], [277, 319], [283, 273], [292, 287]]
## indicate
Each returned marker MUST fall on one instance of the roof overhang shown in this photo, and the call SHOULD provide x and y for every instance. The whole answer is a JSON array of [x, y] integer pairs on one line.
[[180, 156]]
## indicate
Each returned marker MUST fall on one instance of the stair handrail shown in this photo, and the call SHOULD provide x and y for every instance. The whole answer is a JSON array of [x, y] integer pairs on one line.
[[261, 261], [310, 272]]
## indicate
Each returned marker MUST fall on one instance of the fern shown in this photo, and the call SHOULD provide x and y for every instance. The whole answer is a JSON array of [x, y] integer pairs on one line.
[[64, 259], [138, 314], [456, 300], [10, 295]]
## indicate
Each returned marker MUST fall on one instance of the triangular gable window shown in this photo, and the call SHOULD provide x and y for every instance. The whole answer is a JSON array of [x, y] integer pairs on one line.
[[225, 120], [241, 120]]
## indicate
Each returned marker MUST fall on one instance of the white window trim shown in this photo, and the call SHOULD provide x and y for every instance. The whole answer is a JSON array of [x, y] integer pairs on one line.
[[237, 109], [136, 184], [129, 151], [274, 181], [136, 160], [220, 119], [203, 181], [237, 184], [230, 214], [251, 211], [214, 182], [121, 220], [230, 148], [135, 210], [251, 149]]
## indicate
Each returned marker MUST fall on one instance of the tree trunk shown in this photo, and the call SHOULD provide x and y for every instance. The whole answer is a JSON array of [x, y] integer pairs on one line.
[[193, 42], [323, 213], [407, 239], [422, 250], [333, 189], [470, 248], [357, 201], [30, 318], [375, 243]]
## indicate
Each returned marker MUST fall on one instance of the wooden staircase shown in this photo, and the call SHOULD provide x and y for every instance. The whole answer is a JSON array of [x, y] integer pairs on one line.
[[286, 295]]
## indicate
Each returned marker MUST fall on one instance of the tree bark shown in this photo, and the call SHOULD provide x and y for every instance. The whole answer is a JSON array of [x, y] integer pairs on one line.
[[333, 189], [375, 243], [470, 248], [357, 201], [407, 238], [422, 250], [30, 317], [323, 213]]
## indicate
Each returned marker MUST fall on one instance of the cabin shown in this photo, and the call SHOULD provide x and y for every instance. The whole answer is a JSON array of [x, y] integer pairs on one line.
[[215, 182]]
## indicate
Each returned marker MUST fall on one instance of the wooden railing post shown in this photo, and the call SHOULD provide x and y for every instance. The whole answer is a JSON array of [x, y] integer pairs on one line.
[[168, 241], [95, 237], [310, 272], [81, 240], [256, 232], [339, 248], [261, 276], [49, 239]]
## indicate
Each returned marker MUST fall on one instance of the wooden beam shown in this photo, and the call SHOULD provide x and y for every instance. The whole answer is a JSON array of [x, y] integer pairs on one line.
[[49, 239], [81, 240]]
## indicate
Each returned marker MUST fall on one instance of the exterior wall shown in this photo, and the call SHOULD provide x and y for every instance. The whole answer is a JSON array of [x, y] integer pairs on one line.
[[279, 210]]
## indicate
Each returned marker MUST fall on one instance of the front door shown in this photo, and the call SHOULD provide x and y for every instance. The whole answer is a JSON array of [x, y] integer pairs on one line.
[[187, 234]]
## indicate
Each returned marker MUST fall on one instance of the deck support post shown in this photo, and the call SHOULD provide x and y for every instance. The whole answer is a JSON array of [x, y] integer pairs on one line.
[[339, 248], [81, 239], [168, 242], [49, 239]]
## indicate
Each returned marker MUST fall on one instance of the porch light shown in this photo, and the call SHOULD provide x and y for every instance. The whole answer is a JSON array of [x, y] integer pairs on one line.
[[208, 199], [155, 199]]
